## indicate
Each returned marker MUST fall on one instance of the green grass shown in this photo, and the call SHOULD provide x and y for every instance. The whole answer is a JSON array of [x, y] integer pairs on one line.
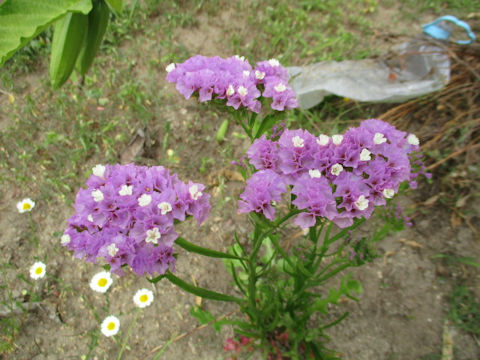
[[465, 310]]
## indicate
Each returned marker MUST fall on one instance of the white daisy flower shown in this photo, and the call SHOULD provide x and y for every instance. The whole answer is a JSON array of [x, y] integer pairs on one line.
[[98, 170], [298, 142], [101, 281], [143, 298], [379, 138], [194, 192], [97, 195], [413, 140], [153, 235], [166, 207], [125, 190], [110, 326], [336, 169], [337, 139], [65, 239], [144, 200], [365, 155], [361, 203], [170, 67], [37, 270], [315, 173], [323, 140], [25, 205], [388, 193]]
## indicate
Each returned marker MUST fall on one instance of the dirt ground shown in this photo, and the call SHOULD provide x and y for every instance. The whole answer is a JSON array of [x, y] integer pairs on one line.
[[402, 314]]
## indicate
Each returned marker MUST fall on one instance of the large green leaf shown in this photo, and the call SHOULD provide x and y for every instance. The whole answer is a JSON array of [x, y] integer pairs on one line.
[[116, 5], [22, 20]]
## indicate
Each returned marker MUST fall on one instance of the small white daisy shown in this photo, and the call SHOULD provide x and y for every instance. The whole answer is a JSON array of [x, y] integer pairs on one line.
[[280, 87], [379, 138], [242, 91], [361, 203], [153, 235], [65, 239], [143, 298], [337, 139], [99, 170], [144, 200], [315, 173], [166, 207], [365, 155], [388, 193], [101, 281], [25, 205], [37, 270], [126, 190], [110, 326], [97, 195], [336, 169], [323, 140], [298, 142], [194, 192], [260, 75], [413, 140], [170, 67]]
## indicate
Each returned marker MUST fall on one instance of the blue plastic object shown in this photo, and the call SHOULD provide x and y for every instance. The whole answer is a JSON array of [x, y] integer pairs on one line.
[[440, 32]]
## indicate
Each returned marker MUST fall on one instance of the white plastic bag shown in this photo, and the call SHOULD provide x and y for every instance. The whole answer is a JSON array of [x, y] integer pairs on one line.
[[409, 70]]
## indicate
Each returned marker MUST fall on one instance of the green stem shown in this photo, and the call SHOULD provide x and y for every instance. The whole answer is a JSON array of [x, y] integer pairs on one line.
[[125, 340]]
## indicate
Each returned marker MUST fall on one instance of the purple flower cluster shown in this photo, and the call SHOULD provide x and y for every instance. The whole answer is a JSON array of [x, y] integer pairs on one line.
[[235, 80], [126, 215], [340, 178]]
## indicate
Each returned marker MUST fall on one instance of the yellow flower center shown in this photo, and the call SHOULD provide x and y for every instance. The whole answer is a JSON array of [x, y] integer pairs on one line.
[[26, 206], [38, 270], [110, 325], [102, 282], [143, 298]]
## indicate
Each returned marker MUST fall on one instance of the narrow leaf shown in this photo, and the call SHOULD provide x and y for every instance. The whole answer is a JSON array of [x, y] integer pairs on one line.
[[204, 251], [204, 293]]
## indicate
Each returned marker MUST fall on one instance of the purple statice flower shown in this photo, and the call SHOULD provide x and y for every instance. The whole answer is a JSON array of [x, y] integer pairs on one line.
[[127, 213], [270, 68], [263, 154], [341, 177], [231, 79], [234, 80], [263, 188], [315, 195], [296, 152], [283, 96]]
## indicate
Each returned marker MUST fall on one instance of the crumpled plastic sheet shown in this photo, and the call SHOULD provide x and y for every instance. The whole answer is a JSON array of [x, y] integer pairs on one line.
[[409, 70]]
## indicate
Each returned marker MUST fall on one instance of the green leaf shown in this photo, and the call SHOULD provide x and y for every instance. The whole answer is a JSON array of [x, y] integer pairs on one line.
[[204, 251], [22, 20], [115, 5], [204, 293]]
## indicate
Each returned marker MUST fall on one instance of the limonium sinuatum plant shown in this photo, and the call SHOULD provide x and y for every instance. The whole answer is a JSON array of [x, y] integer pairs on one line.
[[126, 216]]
